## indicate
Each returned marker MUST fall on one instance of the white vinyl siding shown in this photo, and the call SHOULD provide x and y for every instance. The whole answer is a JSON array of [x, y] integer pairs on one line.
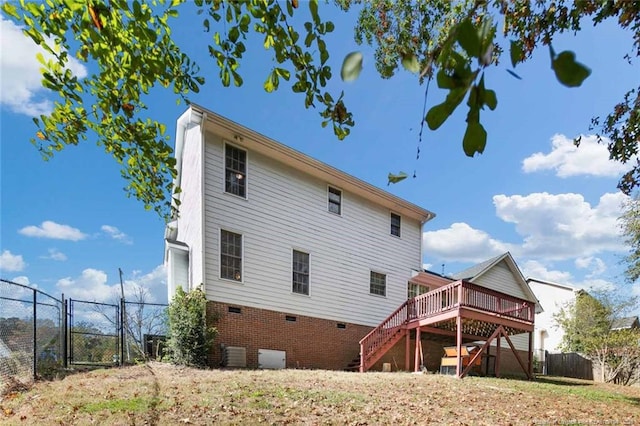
[[500, 278], [189, 222], [344, 248]]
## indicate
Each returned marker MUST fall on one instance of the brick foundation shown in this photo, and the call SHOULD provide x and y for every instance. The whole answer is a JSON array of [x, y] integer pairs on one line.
[[319, 344], [308, 342]]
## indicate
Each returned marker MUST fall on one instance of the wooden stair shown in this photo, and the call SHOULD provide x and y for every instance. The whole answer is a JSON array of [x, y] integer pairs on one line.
[[382, 338], [354, 365]]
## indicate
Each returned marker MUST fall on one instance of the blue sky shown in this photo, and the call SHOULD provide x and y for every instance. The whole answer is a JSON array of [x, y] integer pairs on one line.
[[67, 225]]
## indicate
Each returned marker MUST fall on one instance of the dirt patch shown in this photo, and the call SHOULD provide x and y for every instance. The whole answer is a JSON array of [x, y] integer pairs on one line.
[[162, 394]]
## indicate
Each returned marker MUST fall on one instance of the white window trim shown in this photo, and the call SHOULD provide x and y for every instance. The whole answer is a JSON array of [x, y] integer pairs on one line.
[[341, 200], [224, 170], [291, 271], [386, 283], [391, 212], [220, 256]]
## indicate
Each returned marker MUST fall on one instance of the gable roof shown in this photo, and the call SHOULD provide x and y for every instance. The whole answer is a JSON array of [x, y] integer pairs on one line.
[[252, 140], [625, 323], [476, 271]]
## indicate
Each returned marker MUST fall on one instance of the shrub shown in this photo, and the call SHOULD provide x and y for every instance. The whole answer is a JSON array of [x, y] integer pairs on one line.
[[189, 336]]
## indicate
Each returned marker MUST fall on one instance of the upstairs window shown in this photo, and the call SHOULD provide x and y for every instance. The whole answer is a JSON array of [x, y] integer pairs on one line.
[[378, 284], [396, 221], [230, 256], [235, 171], [300, 272], [335, 200]]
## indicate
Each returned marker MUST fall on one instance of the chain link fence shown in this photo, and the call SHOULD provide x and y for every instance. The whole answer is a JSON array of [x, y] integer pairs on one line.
[[32, 339], [41, 335]]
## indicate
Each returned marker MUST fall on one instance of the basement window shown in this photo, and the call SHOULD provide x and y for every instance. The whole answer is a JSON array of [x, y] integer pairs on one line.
[[235, 310], [341, 325], [290, 318]]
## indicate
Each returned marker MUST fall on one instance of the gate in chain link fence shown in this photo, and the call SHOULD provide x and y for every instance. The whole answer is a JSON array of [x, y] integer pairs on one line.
[[41, 335], [93, 330]]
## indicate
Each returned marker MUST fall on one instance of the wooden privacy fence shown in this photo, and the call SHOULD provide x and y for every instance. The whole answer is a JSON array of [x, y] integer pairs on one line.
[[570, 364]]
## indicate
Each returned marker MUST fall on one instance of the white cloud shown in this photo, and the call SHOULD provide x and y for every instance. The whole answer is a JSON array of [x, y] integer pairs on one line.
[[20, 84], [91, 285], [116, 234], [49, 229], [563, 226], [426, 266], [535, 269], [591, 158], [55, 254], [11, 262], [594, 264], [462, 243]]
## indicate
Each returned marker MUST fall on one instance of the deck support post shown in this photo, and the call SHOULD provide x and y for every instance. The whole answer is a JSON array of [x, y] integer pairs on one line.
[[530, 366], [416, 364], [407, 350], [459, 346], [498, 351]]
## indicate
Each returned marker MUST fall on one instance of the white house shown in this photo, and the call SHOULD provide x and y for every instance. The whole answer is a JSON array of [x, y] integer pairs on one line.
[[552, 297], [298, 259]]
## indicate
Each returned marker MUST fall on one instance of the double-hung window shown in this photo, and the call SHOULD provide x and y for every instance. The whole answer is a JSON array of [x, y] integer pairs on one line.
[[230, 255], [335, 200], [235, 171], [378, 284], [414, 290], [396, 221], [300, 272]]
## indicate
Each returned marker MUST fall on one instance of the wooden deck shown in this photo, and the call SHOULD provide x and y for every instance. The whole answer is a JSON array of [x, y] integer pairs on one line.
[[460, 309]]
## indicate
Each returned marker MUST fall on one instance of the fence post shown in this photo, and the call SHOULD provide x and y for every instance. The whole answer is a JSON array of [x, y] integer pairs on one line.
[[122, 341], [35, 346], [64, 325]]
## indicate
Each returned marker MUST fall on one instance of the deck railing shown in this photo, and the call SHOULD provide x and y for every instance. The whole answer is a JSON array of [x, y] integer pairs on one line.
[[451, 296], [380, 335], [463, 293]]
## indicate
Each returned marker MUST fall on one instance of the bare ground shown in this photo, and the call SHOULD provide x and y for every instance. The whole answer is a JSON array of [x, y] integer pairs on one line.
[[162, 394]]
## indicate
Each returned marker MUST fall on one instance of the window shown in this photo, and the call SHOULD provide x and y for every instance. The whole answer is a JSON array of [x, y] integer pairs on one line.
[[230, 256], [396, 220], [235, 171], [335, 200], [378, 284], [300, 272], [414, 290]]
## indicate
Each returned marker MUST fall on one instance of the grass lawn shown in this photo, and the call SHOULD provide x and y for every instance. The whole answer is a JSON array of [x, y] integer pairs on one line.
[[161, 394]]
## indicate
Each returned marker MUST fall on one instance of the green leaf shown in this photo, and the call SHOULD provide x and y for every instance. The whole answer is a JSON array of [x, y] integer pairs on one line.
[[10, 9], [516, 53], [269, 84], [490, 99], [393, 178], [313, 7], [439, 113], [351, 66], [234, 33], [330, 26], [475, 139], [467, 37], [568, 71], [410, 63]]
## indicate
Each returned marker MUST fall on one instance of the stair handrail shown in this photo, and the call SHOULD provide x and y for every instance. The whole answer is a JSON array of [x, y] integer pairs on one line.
[[387, 328]]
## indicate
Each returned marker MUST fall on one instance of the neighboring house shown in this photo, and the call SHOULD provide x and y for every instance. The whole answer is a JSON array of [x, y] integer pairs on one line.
[[298, 259], [625, 323], [553, 297]]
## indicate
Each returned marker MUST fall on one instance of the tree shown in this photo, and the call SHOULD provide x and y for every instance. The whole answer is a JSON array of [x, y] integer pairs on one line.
[[630, 224], [130, 46], [589, 328]]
